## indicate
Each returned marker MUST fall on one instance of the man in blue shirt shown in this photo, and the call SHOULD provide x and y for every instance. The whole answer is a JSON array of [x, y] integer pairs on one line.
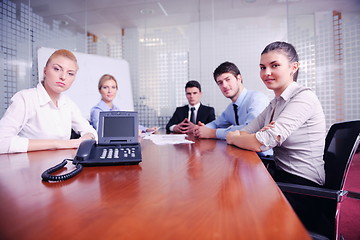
[[246, 104]]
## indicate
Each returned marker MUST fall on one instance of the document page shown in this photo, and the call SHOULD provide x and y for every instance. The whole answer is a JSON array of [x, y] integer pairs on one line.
[[162, 139]]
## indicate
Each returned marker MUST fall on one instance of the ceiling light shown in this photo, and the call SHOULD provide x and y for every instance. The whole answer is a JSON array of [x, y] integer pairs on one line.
[[162, 9], [63, 22]]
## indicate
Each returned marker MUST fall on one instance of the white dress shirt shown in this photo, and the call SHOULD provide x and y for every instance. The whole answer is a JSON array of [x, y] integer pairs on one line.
[[298, 138], [32, 115], [196, 106]]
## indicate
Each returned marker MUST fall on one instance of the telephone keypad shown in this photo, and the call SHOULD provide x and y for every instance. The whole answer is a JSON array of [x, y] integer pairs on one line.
[[103, 155], [116, 153], [122, 152]]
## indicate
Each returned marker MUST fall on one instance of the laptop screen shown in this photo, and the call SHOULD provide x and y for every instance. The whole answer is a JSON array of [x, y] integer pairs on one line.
[[118, 127]]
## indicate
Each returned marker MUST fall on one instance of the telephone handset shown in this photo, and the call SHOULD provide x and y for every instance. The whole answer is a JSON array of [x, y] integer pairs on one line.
[[84, 150], [82, 153]]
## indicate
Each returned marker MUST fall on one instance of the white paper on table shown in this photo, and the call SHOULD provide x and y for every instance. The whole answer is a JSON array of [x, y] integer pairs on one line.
[[161, 139]]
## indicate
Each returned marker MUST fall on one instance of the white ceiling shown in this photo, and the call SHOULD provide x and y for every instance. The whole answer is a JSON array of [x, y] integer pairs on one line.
[[107, 17]]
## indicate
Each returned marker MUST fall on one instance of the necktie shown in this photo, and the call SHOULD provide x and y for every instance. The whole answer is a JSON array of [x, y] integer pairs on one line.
[[192, 115], [236, 114]]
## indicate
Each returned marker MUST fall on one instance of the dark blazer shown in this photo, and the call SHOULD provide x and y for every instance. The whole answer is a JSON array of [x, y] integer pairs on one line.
[[205, 114]]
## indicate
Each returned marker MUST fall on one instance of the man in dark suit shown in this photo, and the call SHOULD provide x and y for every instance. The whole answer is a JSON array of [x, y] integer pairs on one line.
[[185, 117]]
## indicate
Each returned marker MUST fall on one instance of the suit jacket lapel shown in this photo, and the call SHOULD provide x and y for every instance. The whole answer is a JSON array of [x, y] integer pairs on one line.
[[199, 112], [186, 111]]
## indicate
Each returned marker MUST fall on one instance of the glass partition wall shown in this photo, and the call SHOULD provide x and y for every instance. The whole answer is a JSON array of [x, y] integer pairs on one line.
[[166, 48]]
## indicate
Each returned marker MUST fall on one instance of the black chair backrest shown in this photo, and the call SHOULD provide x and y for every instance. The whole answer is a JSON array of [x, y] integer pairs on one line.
[[340, 145]]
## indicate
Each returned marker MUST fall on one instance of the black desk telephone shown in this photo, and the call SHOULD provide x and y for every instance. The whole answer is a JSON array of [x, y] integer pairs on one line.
[[118, 145], [92, 154]]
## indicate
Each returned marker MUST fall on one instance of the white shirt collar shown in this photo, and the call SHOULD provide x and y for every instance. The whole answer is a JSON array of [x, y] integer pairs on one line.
[[196, 106], [44, 97], [289, 91]]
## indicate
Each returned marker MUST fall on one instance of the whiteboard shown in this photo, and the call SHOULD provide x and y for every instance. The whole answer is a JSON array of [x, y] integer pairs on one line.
[[84, 91]]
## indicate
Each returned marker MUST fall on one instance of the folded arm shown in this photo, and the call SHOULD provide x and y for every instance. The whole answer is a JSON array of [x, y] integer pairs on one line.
[[244, 140]]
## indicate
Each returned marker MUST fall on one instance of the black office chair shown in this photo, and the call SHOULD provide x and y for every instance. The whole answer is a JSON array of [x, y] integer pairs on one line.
[[267, 159], [74, 135], [341, 143]]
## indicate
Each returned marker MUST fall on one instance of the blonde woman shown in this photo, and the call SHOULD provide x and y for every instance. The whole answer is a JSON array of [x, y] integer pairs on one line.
[[108, 88], [42, 118]]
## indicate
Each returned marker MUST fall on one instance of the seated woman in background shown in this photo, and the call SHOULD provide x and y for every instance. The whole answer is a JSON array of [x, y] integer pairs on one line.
[[42, 118], [108, 88], [293, 125]]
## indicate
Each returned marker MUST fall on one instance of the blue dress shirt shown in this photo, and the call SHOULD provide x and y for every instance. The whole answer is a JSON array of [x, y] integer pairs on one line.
[[95, 112], [250, 105]]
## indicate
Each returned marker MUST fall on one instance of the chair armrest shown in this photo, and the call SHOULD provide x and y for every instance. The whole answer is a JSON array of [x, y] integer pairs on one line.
[[355, 195], [312, 191], [268, 158]]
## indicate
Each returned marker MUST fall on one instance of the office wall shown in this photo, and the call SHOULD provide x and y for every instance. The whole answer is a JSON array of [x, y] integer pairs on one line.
[[22, 33], [162, 60], [328, 59]]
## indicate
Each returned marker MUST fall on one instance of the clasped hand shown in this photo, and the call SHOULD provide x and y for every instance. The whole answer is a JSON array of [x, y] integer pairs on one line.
[[185, 127]]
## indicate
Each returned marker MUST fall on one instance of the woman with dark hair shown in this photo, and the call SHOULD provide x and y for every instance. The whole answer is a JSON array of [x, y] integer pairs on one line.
[[293, 125]]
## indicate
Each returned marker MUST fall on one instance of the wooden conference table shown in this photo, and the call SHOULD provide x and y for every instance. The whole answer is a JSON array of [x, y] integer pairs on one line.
[[204, 190]]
